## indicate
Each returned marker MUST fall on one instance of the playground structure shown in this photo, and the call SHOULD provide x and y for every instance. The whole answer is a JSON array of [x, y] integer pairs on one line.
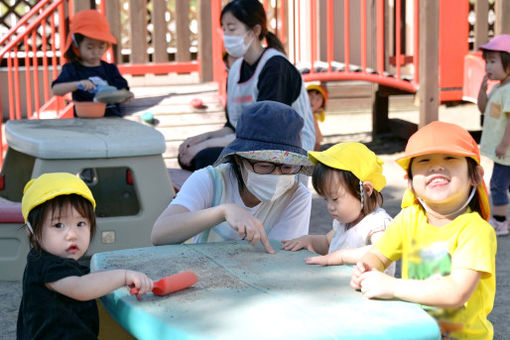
[[403, 46]]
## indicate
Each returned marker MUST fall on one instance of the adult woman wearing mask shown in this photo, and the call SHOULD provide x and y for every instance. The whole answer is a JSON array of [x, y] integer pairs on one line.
[[258, 74], [255, 195]]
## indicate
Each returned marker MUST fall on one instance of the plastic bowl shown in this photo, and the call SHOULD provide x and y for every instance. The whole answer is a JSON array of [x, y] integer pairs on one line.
[[90, 109]]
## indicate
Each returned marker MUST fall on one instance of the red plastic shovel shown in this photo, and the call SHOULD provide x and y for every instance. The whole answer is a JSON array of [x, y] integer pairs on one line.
[[172, 283]]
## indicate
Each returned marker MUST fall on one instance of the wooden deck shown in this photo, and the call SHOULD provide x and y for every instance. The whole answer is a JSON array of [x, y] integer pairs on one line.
[[168, 99]]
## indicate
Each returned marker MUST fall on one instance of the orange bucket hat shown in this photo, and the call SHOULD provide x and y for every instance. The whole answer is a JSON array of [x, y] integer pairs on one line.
[[441, 137], [91, 24]]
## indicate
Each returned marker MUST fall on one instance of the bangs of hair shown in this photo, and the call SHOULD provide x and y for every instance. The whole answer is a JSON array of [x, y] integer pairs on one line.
[[505, 57], [54, 206], [323, 181], [473, 175]]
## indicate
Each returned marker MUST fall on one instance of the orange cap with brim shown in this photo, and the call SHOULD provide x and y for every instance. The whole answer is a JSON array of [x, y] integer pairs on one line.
[[441, 137], [91, 24]]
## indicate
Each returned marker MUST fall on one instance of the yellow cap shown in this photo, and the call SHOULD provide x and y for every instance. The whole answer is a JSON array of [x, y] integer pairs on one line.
[[353, 157], [321, 90], [51, 185]]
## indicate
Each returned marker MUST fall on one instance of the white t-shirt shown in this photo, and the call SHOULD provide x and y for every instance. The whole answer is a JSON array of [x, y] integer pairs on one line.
[[360, 235], [294, 220]]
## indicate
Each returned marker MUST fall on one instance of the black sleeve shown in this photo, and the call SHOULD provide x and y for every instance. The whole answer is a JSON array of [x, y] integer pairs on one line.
[[228, 123], [67, 74], [115, 78], [280, 81], [54, 268]]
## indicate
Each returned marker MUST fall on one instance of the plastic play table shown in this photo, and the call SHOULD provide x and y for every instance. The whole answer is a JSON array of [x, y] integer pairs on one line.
[[120, 160], [245, 293]]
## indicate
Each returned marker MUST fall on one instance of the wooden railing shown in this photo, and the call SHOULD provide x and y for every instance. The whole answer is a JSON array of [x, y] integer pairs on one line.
[[24, 47], [31, 51]]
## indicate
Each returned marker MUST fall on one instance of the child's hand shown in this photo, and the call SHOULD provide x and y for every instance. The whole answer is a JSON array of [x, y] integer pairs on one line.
[[138, 280], [86, 85], [331, 259], [483, 85], [303, 242], [375, 284], [357, 271], [501, 150], [129, 99]]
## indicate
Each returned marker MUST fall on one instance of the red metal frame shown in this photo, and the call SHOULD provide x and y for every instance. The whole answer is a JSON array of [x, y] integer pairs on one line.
[[159, 68], [383, 77], [33, 11], [219, 69], [347, 45], [452, 48], [388, 77]]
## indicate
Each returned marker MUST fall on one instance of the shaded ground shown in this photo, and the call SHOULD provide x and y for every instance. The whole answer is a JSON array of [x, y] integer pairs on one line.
[[350, 128]]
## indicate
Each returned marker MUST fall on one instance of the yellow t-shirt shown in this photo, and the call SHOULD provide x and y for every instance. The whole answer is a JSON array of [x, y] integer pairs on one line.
[[494, 123], [468, 242]]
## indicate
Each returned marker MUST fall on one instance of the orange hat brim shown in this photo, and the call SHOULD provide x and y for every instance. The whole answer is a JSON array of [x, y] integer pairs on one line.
[[442, 137], [91, 24]]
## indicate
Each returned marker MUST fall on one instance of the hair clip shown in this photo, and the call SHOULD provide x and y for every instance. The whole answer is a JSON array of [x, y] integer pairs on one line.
[[74, 40], [29, 226], [361, 194]]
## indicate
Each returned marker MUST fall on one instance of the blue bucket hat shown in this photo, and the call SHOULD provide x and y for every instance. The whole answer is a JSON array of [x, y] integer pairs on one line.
[[269, 131]]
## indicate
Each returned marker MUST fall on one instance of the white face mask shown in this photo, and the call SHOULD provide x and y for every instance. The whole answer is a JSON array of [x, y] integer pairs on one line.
[[235, 46], [268, 187]]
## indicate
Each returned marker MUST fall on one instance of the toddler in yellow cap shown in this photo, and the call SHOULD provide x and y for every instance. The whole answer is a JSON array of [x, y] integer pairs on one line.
[[442, 236], [58, 292], [350, 178], [318, 96]]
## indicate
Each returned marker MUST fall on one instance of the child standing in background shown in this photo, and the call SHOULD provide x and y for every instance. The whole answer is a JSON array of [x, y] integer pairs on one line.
[[448, 249], [350, 178], [495, 139], [58, 292], [85, 73], [318, 96]]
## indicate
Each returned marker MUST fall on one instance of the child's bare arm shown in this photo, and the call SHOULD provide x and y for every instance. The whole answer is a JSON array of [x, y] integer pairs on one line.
[[341, 256], [482, 95], [444, 292], [61, 89], [315, 243], [97, 284], [502, 148]]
